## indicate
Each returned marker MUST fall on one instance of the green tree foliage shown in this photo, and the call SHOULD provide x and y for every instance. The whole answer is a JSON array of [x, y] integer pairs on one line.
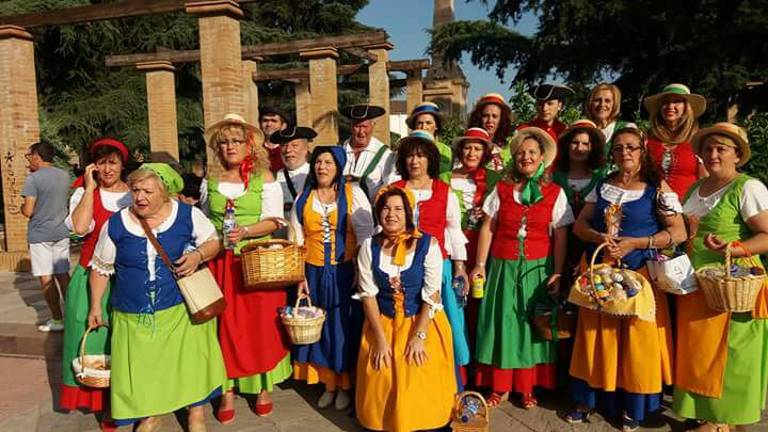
[[716, 47], [81, 99]]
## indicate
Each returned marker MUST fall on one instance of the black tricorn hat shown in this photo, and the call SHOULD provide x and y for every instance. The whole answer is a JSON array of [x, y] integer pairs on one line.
[[291, 133], [362, 112], [545, 92]]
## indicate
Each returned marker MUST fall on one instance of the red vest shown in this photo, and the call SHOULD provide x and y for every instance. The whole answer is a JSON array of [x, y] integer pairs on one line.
[[100, 216], [683, 170], [538, 241], [432, 212]]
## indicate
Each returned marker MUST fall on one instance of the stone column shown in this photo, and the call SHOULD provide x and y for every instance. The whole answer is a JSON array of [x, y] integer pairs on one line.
[[161, 104], [414, 93], [303, 101], [324, 104], [19, 128], [378, 88], [251, 90], [221, 65]]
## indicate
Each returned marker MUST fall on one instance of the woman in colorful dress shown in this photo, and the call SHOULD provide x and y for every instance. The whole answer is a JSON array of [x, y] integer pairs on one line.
[[492, 113], [626, 359], [674, 119], [254, 343], [524, 232], [427, 117], [720, 371], [603, 107], [161, 361], [331, 218], [472, 182], [405, 369], [99, 193], [437, 212]]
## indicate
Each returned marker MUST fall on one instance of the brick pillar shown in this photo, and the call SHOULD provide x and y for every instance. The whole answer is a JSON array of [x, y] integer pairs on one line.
[[414, 90], [161, 104], [378, 88], [303, 103], [324, 104], [251, 90], [221, 63], [19, 128]]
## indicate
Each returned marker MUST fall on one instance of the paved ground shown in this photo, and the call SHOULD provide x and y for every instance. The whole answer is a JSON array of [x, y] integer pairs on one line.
[[29, 388]]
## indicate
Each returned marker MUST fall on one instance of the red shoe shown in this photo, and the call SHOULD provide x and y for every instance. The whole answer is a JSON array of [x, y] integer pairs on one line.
[[225, 416], [107, 426], [263, 410]]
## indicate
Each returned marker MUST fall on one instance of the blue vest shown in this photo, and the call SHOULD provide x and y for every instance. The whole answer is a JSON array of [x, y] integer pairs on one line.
[[412, 279], [638, 219], [132, 290]]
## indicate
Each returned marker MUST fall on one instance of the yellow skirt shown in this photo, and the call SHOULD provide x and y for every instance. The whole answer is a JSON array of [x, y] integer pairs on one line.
[[406, 397]]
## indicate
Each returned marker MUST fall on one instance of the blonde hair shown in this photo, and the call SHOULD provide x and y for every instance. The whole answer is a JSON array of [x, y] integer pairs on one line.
[[258, 152], [615, 109], [687, 126], [143, 174]]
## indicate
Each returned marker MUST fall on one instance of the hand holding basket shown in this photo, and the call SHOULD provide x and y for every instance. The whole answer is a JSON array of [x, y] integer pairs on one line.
[[726, 292], [273, 264], [91, 370]]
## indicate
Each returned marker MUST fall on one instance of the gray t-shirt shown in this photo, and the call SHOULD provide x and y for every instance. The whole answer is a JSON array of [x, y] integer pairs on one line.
[[50, 187]]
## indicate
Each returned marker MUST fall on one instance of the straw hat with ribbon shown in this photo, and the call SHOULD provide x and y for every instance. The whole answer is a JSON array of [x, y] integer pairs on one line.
[[531, 191], [401, 240], [492, 98], [425, 108], [698, 102], [596, 136], [736, 133], [237, 120]]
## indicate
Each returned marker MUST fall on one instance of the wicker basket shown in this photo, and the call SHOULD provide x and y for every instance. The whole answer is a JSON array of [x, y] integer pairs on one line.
[[273, 264], [91, 370], [565, 324], [479, 422], [729, 293], [303, 331]]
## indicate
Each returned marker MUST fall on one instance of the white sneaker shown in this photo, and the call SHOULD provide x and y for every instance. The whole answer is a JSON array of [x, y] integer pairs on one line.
[[51, 325], [326, 399], [342, 400]]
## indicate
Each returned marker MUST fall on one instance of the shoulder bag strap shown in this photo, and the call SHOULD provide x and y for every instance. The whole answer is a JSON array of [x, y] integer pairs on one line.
[[289, 183], [158, 247]]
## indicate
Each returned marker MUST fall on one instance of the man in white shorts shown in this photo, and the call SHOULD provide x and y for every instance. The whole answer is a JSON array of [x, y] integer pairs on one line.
[[45, 193]]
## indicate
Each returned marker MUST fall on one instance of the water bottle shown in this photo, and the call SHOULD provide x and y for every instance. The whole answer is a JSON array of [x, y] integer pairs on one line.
[[229, 224], [458, 289]]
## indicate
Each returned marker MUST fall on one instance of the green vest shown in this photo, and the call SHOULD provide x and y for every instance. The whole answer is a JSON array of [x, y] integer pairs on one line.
[[561, 179], [247, 206], [446, 157]]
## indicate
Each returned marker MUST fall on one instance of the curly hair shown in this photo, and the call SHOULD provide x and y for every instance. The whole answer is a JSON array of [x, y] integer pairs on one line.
[[457, 155], [505, 122], [421, 148], [258, 152], [596, 158]]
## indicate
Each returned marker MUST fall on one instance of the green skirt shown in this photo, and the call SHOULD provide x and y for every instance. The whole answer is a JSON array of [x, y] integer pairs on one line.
[[254, 384], [76, 308], [505, 337], [163, 363], [744, 381]]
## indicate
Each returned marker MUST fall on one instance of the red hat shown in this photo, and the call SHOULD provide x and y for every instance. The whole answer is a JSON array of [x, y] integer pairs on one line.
[[111, 142]]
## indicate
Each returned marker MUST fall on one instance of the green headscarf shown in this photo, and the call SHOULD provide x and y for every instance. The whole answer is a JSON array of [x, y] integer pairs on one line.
[[531, 192], [171, 179]]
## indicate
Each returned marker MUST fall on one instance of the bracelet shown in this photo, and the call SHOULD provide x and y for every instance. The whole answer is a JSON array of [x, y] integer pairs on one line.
[[202, 257], [650, 242], [480, 264]]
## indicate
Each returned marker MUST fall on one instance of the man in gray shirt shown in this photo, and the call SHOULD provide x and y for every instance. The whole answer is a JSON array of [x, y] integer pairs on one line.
[[46, 194]]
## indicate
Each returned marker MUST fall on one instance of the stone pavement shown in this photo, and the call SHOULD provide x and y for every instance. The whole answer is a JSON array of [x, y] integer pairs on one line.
[[30, 375]]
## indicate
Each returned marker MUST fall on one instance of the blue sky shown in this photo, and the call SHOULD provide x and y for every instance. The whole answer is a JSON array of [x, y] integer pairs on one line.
[[407, 22]]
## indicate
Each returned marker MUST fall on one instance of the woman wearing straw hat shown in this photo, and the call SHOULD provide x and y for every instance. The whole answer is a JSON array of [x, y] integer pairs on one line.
[[405, 369], [437, 213], [720, 371], [614, 355], [492, 113], [254, 343], [161, 361], [524, 231], [674, 119], [603, 107], [99, 194], [472, 182], [331, 218], [427, 117]]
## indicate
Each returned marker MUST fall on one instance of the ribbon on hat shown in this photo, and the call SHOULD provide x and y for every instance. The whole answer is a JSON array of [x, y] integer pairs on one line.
[[531, 192], [246, 166]]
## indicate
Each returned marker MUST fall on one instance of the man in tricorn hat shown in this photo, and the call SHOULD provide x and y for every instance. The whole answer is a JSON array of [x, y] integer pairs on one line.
[[549, 103], [272, 120], [294, 148], [369, 161]]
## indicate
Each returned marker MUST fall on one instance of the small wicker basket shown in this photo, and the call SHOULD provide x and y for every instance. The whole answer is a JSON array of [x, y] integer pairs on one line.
[[273, 264], [729, 293], [91, 370], [480, 422], [303, 331], [565, 324]]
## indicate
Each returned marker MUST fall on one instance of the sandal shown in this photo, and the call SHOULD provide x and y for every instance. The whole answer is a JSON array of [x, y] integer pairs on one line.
[[713, 427], [577, 416], [495, 399], [629, 424], [529, 402]]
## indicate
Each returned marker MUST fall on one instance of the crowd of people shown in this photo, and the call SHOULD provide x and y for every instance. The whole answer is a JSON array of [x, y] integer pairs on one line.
[[394, 240]]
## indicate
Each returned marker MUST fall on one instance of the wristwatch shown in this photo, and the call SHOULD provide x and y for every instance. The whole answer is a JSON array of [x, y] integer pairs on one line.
[[421, 335]]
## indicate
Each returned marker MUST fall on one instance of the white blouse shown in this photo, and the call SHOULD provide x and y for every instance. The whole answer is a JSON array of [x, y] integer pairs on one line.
[[112, 201], [616, 195], [455, 240], [467, 188], [433, 273], [562, 214], [104, 256], [361, 219], [754, 200], [356, 166]]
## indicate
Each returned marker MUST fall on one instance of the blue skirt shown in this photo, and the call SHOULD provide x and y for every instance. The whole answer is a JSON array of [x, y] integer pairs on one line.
[[455, 317], [615, 404], [330, 288]]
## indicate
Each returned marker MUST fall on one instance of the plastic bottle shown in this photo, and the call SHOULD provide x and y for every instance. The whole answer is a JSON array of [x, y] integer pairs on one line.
[[458, 288], [229, 224]]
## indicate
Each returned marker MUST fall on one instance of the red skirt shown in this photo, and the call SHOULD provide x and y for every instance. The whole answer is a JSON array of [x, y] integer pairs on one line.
[[81, 397], [516, 380], [251, 334]]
